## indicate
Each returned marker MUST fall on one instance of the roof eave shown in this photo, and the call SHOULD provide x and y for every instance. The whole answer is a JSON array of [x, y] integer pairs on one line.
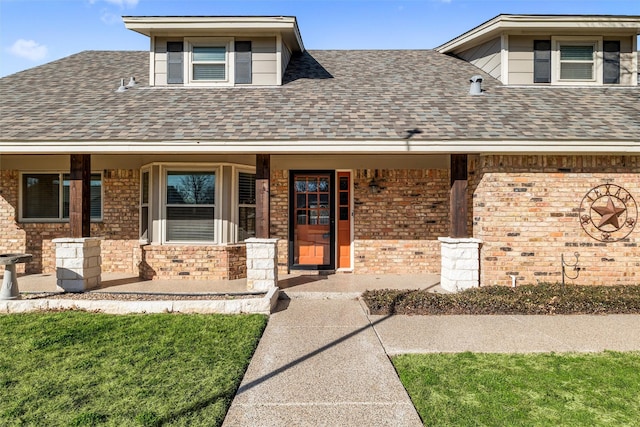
[[150, 25], [502, 23]]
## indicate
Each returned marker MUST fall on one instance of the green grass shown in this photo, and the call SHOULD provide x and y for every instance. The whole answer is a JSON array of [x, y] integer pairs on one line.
[[88, 369], [471, 389]]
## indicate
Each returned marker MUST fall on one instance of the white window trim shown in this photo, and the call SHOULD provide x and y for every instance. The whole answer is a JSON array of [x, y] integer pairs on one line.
[[191, 167], [227, 43], [596, 42], [60, 219], [235, 200]]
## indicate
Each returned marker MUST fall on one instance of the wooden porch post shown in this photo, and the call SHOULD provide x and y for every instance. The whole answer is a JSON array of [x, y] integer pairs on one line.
[[263, 171], [80, 196], [458, 197]]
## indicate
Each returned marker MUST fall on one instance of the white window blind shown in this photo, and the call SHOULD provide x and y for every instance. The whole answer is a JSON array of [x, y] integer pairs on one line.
[[246, 206], [209, 62], [576, 62], [190, 206]]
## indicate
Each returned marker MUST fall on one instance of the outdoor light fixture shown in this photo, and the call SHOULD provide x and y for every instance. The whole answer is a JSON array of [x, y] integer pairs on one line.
[[374, 187]]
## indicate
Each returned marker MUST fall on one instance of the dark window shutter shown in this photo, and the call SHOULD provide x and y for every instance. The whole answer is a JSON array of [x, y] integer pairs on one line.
[[541, 61], [611, 66], [175, 67], [243, 62]]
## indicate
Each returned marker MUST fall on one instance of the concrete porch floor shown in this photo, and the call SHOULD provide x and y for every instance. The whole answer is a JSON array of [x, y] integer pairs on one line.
[[293, 285]]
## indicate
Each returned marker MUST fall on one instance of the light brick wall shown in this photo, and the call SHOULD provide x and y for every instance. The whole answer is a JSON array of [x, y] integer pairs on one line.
[[526, 210], [215, 262], [120, 247]]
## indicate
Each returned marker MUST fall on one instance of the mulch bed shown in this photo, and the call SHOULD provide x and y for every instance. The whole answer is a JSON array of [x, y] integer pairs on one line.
[[132, 296], [529, 299]]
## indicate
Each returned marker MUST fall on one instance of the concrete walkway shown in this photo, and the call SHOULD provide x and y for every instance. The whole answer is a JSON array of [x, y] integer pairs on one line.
[[320, 363], [508, 333]]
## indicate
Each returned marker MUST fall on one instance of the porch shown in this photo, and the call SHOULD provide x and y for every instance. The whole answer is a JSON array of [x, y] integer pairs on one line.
[[292, 285]]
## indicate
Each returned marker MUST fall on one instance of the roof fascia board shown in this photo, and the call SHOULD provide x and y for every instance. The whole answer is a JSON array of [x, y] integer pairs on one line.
[[401, 146], [153, 25], [523, 23]]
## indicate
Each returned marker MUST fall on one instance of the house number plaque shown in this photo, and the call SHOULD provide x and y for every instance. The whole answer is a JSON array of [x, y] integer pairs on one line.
[[609, 213]]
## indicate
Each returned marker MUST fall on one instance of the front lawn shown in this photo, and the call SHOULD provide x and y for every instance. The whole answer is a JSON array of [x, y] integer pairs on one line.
[[85, 369], [471, 389]]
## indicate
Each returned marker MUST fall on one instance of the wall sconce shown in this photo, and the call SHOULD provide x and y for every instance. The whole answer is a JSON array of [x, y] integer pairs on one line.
[[374, 186]]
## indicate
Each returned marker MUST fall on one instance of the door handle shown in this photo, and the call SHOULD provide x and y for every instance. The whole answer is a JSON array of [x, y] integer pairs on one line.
[[326, 235]]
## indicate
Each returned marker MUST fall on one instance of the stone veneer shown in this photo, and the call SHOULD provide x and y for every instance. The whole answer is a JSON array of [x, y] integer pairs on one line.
[[78, 264], [262, 264], [203, 262], [526, 211], [460, 264]]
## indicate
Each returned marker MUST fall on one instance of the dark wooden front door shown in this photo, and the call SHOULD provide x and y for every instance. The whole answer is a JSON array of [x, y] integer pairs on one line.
[[312, 220]]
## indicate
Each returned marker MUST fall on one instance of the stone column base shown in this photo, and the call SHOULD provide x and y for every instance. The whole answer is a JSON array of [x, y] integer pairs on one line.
[[460, 263], [262, 264], [78, 263]]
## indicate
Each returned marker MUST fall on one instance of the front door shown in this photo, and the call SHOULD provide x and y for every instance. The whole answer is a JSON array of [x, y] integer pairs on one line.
[[312, 220]]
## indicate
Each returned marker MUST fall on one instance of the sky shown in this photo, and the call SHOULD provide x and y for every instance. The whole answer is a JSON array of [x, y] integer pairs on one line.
[[34, 32]]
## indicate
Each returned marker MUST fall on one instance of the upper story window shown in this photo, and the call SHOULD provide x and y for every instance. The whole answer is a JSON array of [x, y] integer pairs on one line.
[[209, 60], [209, 63], [577, 61], [45, 197]]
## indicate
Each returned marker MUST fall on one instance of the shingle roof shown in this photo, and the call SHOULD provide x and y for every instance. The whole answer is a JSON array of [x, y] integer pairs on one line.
[[327, 95]]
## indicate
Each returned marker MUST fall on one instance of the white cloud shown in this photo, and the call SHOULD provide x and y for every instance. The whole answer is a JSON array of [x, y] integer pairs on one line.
[[121, 3], [29, 49], [110, 18]]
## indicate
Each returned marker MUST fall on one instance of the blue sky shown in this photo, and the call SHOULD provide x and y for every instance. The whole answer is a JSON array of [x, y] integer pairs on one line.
[[33, 32]]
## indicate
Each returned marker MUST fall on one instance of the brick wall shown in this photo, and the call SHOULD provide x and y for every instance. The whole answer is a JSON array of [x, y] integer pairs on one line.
[[526, 210], [12, 237], [396, 230], [120, 247], [215, 262]]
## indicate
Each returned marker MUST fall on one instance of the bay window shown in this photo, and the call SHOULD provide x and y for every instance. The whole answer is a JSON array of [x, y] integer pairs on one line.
[[190, 206]]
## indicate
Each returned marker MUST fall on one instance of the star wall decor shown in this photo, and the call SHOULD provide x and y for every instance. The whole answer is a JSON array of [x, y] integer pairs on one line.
[[609, 213]]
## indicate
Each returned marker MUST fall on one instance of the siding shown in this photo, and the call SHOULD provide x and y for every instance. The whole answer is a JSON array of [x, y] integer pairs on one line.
[[626, 59], [521, 59], [264, 61], [286, 56], [486, 57], [160, 61]]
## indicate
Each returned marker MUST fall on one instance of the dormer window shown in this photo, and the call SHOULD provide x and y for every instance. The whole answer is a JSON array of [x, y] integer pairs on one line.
[[209, 60], [209, 63], [577, 61]]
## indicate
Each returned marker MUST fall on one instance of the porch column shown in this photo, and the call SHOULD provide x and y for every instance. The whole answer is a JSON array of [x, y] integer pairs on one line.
[[262, 264], [263, 171], [460, 255], [458, 197], [80, 196]]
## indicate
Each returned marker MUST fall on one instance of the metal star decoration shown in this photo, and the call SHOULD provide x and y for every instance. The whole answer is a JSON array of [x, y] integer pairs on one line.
[[609, 214]]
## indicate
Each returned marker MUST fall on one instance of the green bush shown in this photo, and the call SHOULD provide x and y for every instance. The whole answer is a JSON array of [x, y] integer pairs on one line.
[[545, 298]]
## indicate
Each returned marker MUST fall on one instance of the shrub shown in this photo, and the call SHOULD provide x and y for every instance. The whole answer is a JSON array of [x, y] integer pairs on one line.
[[545, 298]]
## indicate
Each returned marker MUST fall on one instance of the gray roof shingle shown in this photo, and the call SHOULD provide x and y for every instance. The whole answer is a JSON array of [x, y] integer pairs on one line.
[[327, 95]]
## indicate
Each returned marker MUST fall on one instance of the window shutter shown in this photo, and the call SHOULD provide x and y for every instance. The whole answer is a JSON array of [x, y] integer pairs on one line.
[[541, 61], [175, 68], [243, 62], [611, 68]]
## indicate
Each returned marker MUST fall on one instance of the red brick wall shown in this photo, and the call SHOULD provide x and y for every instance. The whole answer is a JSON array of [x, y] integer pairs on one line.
[[526, 210]]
